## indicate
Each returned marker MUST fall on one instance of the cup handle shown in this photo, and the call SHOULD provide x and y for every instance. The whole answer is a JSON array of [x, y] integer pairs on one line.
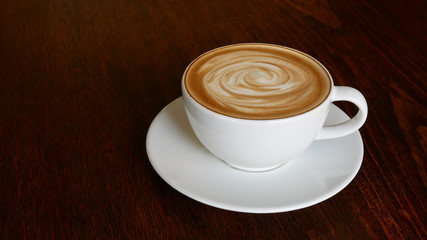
[[342, 129]]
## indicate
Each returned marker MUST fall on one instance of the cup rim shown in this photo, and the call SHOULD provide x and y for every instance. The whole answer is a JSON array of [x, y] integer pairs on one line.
[[214, 113]]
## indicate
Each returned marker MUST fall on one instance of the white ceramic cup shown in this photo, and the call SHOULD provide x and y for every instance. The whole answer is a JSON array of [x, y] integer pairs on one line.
[[260, 145]]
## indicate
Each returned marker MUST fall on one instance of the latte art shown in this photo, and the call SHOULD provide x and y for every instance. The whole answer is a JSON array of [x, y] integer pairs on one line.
[[257, 81]]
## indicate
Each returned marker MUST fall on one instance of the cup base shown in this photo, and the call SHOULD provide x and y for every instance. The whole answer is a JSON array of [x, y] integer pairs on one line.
[[253, 170]]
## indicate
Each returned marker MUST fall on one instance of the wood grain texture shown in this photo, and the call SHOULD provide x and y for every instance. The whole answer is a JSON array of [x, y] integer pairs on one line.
[[81, 81]]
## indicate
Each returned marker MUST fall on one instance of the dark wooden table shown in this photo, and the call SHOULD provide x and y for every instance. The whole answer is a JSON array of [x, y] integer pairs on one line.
[[81, 81]]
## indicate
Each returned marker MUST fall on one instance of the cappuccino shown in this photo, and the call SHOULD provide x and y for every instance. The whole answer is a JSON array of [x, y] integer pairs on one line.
[[257, 81]]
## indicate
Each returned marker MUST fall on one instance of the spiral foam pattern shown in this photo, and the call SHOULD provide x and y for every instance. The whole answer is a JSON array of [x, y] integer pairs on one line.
[[258, 84]]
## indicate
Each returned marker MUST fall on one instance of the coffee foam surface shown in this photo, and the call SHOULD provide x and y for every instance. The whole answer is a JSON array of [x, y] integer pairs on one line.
[[254, 81]]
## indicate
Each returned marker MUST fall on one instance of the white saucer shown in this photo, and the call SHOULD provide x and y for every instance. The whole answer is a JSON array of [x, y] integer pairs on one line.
[[323, 170]]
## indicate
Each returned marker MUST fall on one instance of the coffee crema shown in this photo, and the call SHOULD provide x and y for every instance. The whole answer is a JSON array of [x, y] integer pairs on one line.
[[257, 81]]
